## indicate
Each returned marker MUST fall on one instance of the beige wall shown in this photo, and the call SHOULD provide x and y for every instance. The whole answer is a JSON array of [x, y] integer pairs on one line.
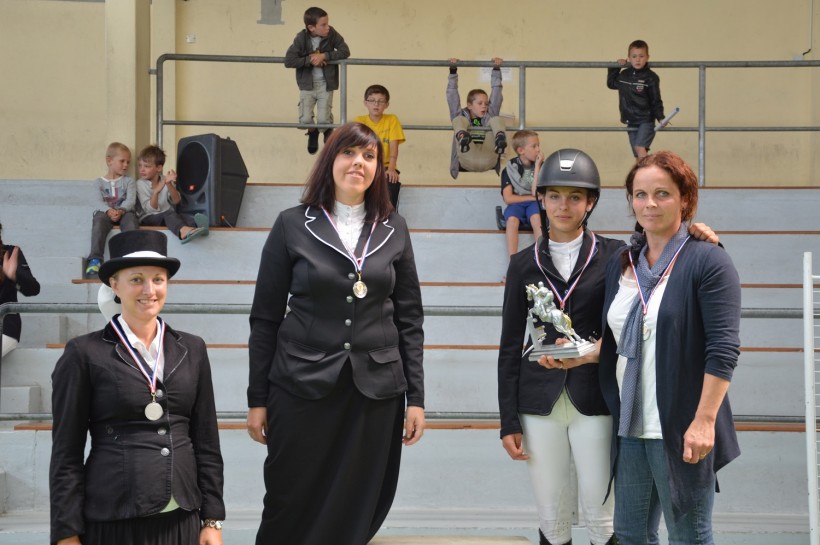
[[55, 97]]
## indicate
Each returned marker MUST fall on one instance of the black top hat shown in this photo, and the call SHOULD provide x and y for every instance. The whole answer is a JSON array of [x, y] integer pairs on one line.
[[135, 249]]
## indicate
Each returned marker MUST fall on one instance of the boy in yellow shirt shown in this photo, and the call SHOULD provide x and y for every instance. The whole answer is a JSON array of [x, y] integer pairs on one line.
[[389, 131]]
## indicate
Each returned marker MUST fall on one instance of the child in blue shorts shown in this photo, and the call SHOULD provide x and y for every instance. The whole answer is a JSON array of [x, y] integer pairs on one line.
[[639, 96], [517, 188]]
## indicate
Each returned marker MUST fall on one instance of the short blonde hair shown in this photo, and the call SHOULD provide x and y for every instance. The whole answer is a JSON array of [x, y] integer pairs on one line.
[[519, 139], [116, 147]]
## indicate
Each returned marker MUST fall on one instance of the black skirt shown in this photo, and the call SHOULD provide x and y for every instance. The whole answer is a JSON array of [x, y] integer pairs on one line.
[[177, 527], [332, 466]]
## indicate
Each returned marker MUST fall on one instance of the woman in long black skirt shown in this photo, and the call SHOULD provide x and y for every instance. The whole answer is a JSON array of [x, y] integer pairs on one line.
[[143, 391], [335, 352]]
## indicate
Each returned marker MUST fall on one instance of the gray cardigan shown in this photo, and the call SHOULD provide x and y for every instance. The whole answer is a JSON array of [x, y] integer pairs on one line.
[[698, 333]]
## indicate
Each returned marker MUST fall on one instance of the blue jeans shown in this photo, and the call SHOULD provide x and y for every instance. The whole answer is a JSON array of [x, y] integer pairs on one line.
[[642, 493]]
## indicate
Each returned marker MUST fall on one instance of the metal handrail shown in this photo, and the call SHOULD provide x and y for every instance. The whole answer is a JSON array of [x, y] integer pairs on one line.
[[522, 67], [208, 308]]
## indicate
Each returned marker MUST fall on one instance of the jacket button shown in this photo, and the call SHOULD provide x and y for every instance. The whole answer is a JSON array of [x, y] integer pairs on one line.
[[349, 298], [347, 346], [351, 276], [160, 394], [348, 322], [165, 451], [162, 431]]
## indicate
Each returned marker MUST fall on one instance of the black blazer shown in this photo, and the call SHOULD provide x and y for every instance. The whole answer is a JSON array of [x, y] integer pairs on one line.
[[25, 283], [134, 465], [523, 385], [304, 350]]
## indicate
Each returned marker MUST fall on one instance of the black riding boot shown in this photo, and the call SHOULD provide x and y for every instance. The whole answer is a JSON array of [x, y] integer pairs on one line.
[[544, 541]]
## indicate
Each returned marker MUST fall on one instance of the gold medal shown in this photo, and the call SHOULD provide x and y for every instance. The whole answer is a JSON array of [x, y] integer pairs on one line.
[[359, 289], [153, 411]]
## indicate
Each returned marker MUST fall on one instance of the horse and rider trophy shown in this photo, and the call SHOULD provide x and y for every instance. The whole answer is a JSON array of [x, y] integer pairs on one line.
[[544, 309]]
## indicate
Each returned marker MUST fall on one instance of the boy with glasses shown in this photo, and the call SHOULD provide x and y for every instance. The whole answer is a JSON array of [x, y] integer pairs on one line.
[[389, 131]]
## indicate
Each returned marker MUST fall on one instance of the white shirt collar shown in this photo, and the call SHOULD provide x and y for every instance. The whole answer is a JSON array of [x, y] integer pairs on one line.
[[148, 353]]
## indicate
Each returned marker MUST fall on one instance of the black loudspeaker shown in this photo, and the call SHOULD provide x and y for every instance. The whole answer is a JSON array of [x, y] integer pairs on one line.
[[212, 177]]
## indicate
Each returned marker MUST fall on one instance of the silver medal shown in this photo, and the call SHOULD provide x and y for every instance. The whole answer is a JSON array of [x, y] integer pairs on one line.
[[153, 411], [359, 289], [646, 332]]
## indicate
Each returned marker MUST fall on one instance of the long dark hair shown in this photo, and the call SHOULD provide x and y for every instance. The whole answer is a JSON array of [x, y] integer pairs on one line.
[[683, 177], [320, 188]]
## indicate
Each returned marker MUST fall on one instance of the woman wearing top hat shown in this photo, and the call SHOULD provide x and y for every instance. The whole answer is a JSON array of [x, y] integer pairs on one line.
[[143, 391], [332, 380]]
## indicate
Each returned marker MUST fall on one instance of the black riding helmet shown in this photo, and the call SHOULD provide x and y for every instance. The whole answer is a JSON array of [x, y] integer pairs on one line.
[[570, 167]]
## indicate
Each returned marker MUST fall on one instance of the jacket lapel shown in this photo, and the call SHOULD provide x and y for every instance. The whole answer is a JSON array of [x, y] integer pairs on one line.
[[381, 234], [320, 227]]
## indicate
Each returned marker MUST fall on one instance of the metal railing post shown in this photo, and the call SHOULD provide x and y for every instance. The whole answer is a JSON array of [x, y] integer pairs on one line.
[[160, 85], [810, 374], [343, 91], [702, 126], [522, 96]]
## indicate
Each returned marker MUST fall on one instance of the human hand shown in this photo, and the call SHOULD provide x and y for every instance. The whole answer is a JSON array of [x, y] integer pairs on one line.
[[318, 59], [171, 176], [453, 61], [701, 231], [512, 444], [699, 440], [497, 61], [392, 175], [569, 363], [258, 424], [539, 159], [622, 62], [10, 261], [413, 425], [73, 540], [210, 536]]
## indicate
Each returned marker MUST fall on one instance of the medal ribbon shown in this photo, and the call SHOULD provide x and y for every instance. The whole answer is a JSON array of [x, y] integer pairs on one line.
[[645, 300], [141, 364], [357, 262], [563, 300]]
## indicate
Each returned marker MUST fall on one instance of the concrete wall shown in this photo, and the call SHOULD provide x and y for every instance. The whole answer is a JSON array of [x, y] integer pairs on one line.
[[76, 78]]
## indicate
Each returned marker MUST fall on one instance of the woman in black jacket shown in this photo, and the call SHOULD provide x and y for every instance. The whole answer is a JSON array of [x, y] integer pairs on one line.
[[550, 412], [143, 391], [15, 275], [336, 352]]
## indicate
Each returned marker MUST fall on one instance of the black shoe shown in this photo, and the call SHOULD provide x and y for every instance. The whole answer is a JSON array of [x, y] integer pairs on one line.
[[463, 138], [313, 141], [327, 135], [500, 143], [544, 541], [612, 541]]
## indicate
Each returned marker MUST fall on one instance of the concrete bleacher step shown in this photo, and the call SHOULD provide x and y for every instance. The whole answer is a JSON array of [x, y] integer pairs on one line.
[[458, 380], [457, 481]]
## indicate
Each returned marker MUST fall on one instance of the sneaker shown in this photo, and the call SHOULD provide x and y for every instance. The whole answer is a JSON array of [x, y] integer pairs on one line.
[[463, 138], [328, 132], [93, 268], [500, 143], [313, 141]]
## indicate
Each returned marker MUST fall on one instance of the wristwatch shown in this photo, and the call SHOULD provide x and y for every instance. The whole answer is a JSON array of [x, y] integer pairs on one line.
[[211, 523]]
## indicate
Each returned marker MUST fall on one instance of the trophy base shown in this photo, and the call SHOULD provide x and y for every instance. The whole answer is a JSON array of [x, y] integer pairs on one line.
[[574, 349]]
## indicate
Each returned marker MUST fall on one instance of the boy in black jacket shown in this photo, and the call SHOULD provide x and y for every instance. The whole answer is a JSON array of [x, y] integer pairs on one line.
[[639, 96], [309, 53]]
